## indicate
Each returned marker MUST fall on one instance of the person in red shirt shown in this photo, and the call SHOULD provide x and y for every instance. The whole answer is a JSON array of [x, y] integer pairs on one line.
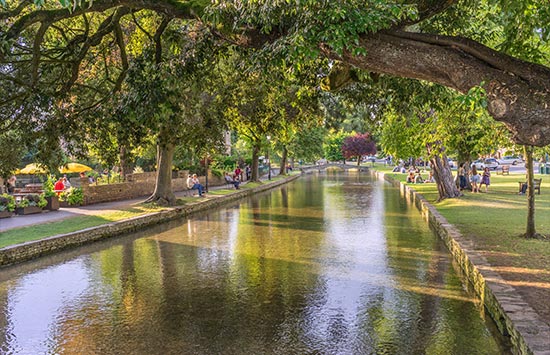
[[59, 186], [238, 173]]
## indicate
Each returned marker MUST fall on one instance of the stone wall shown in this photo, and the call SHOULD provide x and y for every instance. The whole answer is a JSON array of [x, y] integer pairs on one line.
[[138, 185], [511, 314]]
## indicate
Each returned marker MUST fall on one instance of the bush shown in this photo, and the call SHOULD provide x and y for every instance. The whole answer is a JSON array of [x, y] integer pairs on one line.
[[48, 187], [73, 196], [217, 172], [37, 200], [7, 203], [195, 169]]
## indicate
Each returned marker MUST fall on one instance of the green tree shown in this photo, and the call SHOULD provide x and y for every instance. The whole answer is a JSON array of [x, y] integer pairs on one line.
[[305, 145], [332, 146], [458, 44]]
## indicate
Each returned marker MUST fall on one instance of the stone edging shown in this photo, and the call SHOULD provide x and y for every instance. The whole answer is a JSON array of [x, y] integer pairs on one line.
[[512, 315], [31, 250]]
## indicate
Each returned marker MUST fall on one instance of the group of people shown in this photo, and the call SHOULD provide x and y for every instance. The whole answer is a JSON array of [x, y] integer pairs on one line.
[[193, 183], [61, 185], [415, 177], [235, 180], [477, 180]]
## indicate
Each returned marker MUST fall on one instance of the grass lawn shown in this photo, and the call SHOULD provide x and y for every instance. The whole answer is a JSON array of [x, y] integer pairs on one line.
[[71, 224], [495, 222]]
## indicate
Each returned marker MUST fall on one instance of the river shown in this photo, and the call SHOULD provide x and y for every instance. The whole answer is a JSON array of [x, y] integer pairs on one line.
[[333, 263]]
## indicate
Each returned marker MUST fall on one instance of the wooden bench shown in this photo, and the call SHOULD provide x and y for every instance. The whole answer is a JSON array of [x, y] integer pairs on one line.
[[505, 170], [536, 185]]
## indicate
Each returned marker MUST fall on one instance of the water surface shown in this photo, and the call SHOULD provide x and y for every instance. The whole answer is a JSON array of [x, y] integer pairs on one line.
[[334, 264]]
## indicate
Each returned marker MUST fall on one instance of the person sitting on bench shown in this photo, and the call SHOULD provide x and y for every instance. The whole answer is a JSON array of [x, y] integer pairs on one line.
[[194, 184], [230, 180]]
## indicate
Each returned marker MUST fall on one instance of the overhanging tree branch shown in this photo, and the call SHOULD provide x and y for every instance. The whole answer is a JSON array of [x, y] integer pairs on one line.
[[517, 96]]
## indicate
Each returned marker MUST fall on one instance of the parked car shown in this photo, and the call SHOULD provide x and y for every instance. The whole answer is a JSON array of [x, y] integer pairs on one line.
[[490, 163], [452, 164], [510, 159], [370, 158]]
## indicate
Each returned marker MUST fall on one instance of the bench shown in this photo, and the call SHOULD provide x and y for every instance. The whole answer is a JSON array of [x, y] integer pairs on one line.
[[188, 192], [536, 185], [505, 169]]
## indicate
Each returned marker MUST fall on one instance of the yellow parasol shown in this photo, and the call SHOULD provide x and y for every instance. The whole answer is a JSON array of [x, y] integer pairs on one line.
[[31, 169], [74, 168]]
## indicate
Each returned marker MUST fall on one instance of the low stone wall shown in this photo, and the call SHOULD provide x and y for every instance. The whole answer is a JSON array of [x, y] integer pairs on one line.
[[528, 333], [30, 250], [138, 185]]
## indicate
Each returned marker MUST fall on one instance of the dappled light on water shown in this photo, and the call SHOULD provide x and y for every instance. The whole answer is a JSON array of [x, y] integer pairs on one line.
[[334, 264]]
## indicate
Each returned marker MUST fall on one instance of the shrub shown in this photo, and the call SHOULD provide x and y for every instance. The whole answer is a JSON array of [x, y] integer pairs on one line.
[[37, 200], [48, 187], [7, 203], [73, 196]]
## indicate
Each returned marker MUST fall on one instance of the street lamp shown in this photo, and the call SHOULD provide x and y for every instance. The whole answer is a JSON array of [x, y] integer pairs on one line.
[[268, 160], [206, 178]]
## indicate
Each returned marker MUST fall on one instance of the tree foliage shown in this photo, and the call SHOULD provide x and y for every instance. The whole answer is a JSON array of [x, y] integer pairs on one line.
[[358, 145], [332, 146]]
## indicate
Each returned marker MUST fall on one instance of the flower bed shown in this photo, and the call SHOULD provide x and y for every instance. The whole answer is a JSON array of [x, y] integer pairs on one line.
[[7, 205]]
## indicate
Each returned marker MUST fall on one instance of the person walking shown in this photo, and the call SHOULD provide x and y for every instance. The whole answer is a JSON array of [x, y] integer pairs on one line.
[[485, 179]]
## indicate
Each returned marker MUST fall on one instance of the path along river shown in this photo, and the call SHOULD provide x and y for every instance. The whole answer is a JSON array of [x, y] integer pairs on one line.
[[329, 264]]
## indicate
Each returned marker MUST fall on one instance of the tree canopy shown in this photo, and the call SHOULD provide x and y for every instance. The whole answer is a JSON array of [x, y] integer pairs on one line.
[[53, 51]]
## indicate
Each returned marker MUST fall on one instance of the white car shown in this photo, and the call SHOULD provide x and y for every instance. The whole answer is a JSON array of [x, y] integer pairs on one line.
[[510, 159], [452, 164], [490, 163]]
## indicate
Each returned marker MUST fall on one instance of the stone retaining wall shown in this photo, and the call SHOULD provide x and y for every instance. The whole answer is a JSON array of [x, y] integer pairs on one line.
[[528, 333], [30, 250], [138, 185]]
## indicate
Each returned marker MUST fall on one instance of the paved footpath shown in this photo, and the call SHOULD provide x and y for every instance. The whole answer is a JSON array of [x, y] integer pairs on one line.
[[68, 212]]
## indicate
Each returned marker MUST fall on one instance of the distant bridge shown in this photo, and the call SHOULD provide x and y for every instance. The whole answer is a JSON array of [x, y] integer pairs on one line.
[[319, 167]]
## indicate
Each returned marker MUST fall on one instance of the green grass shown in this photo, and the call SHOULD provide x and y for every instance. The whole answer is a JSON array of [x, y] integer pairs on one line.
[[71, 224], [496, 220]]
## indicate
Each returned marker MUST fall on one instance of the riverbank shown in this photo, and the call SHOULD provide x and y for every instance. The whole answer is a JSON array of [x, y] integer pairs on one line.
[[111, 219], [483, 232]]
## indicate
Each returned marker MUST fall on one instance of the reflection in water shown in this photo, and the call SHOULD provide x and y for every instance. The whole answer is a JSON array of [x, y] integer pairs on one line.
[[326, 265]]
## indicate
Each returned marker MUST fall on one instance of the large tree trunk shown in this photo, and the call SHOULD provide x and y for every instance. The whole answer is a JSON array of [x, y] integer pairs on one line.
[[126, 164], [254, 169], [284, 157], [163, 194], [444, 178], [530, 231]]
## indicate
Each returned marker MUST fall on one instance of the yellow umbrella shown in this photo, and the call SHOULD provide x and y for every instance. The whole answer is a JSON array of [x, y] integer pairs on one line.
[[32, 169], [74, 168]]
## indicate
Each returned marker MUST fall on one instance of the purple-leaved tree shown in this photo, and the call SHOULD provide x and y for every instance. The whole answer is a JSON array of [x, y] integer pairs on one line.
[[358, 145]]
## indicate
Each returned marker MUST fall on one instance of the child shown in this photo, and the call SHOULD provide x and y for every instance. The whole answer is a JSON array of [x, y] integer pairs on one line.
[[485, 179]]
